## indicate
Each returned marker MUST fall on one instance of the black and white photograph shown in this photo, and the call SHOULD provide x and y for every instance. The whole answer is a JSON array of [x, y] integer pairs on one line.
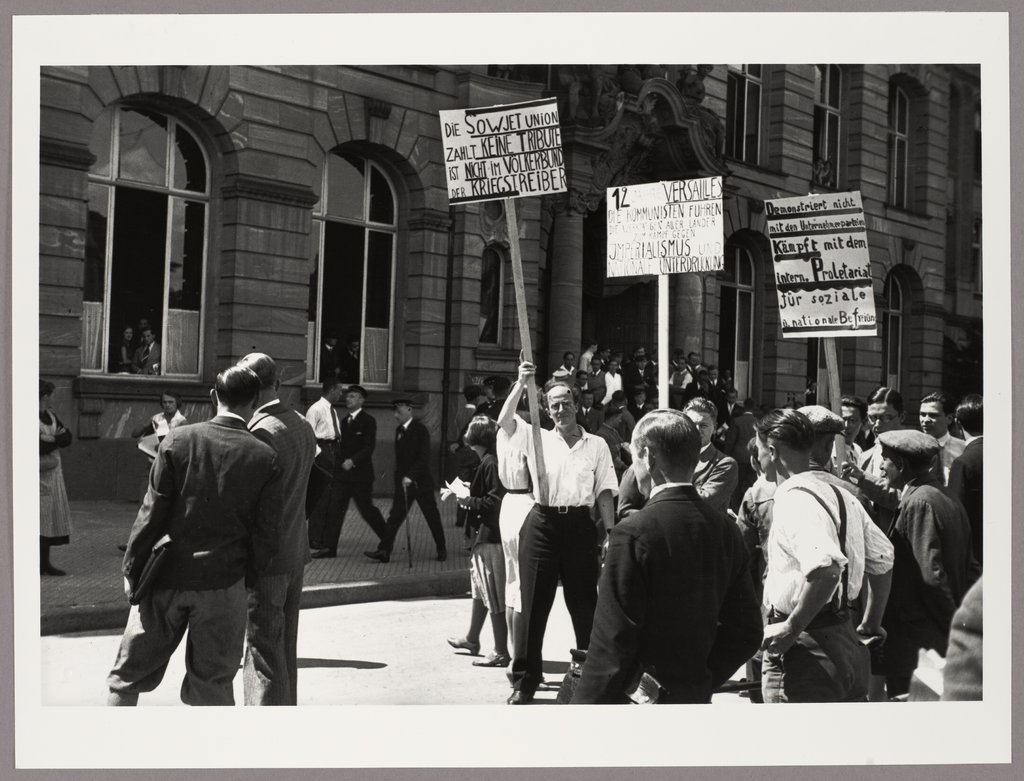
[[391, 363]]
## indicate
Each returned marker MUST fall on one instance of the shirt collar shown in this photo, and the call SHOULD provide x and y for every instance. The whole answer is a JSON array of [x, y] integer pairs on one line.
[[405, 425], [944, 439], [707, 450], [270, 403], [226, 414], [659, 488]]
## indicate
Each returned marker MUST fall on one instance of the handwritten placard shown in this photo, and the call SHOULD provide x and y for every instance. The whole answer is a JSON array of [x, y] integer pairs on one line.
[[508, 151], [665, 227], [822, 265]]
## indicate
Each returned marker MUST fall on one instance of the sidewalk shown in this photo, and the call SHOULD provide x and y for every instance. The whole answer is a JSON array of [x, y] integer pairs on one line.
[[91, 595]]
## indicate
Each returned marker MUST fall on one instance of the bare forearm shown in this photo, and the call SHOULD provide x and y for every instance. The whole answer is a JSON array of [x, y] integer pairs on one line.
[[877, 597], [606, 508], [507, 416]]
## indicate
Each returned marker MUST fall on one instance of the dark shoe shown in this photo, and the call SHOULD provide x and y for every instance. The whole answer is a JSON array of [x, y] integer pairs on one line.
[[324, 553], [442, 555], [473, 648], [494, 660], [378, 555], [122, 547], [49, 569], [520, 697]]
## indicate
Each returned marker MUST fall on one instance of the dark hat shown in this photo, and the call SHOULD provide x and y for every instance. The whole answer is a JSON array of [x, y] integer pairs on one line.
[[402, 402], [637, 388], [356, 389], [910, 443], [824, 420]]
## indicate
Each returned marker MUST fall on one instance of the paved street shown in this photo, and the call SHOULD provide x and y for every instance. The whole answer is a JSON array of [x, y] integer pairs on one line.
[[379, 653]]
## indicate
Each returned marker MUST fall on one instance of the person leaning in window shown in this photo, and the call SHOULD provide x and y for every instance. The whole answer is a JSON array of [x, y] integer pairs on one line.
[[125, 350], [54, 510], [147, 356]]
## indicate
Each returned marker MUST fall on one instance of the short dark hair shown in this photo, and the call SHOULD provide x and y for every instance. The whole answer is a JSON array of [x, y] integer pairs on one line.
[[567, 353], [330, 384], [472, 392], [481, 431], [673, 434], [498, 384], [969, 414], [46, 388], [858, 403], [173, 394], [237, 386], [885, 395], [618, 397], [944, 400], [263, 366], [788, 427], [611, 411], [702, 405]]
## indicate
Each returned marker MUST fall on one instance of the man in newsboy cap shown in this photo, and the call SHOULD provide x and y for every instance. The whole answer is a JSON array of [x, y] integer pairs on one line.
[[934, 565], [827, 424]]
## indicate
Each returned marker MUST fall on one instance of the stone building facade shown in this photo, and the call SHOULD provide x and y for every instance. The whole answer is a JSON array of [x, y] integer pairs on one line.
[[240, 208]]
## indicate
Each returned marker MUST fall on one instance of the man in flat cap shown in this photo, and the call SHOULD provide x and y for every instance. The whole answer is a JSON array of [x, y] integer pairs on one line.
[[413, 483], [827, 425], [934, 564], [822, 548]]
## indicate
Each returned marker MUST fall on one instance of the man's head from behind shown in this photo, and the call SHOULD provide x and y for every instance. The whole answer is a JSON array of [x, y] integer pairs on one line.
[[665, 446], [969, 414], [784, 441], [235, 391], [262, 366]]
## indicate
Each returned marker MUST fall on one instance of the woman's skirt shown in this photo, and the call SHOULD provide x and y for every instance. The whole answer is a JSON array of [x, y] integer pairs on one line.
[[487, 576], [514, 509], [54, 510]]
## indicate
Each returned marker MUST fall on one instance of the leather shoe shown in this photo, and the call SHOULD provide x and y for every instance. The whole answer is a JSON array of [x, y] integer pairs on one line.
[[49, 569], [442, 555], [473, 648], [494, 660], [378, 555], [323, 553], [520, 697]]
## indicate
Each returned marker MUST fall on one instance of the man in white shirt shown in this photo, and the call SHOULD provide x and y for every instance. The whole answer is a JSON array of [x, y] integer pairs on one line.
[[821, 546], [612, 381], [559, 539], [322, 416], [935, 414]]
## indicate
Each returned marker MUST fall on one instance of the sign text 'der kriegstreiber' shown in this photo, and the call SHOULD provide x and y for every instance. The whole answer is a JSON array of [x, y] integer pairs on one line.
[[508, 151], [822, 265], [665, 227]]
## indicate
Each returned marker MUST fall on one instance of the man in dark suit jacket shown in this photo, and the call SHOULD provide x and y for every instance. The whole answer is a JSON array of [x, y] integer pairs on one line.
[[353, 475], [676, 597], [589, 415], [933, 566], [271, 664], [413, 483], [966, 474], [216, 491], [716, 475]]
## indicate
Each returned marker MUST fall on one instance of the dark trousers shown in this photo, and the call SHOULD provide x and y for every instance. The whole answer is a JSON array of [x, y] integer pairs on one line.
[[270, 670], [215, 620], [400, 507], [338, 497], [555, 546]]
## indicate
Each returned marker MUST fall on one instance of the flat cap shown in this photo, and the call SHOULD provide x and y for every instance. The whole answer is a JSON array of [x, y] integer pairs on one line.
[[910, 443], [403, 402], [824, 420], [356, 389]]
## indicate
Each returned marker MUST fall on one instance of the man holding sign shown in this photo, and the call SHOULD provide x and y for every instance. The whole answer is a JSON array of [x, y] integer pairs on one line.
[[558, 539]]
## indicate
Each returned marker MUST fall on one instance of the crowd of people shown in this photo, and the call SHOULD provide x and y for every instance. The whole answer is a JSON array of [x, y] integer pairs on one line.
[[822, 550]]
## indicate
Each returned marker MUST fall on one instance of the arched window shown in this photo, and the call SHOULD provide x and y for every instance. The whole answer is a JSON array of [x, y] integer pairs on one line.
[[736, 318], [892, 331], [145, 256], [492, 280], [352, 279]]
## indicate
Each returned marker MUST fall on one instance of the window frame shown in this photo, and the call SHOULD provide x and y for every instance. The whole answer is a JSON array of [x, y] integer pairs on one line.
[[320, 218], [893, 314], [502, 260], [744, 254], [899, 97], [830, 113], [110, 182], [737, 121]]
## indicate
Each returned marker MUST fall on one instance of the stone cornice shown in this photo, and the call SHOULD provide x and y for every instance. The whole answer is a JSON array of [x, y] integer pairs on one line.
[[261, 189], [431, 220], [65, 154]]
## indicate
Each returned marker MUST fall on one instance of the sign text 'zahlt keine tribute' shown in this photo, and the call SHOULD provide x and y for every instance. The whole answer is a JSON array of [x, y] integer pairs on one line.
[[822, 265], [665, 227], [508, 151]]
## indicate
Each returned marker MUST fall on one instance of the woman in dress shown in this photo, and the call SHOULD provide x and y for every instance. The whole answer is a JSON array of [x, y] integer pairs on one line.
[[487, 565], [162, 422], [126, 349], [54, 510]]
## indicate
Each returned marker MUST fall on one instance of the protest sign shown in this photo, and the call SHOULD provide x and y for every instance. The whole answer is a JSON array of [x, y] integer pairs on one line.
[[665, 227], [822, 265], [507, 151]]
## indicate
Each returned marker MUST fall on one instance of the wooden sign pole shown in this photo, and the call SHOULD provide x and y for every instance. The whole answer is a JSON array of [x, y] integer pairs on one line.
[[524, 335], [663, 293], [834, 395]]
